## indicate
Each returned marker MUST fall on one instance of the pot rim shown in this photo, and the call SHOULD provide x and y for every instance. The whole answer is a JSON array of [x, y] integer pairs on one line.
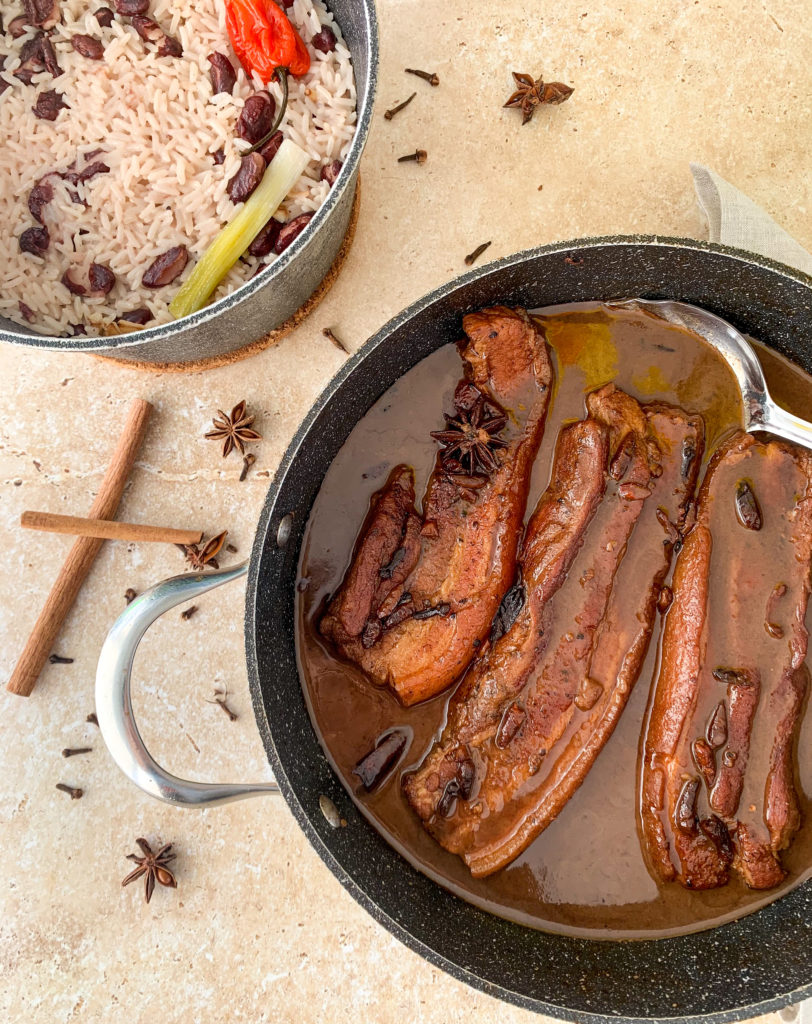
[[110, 345], [266, 528]]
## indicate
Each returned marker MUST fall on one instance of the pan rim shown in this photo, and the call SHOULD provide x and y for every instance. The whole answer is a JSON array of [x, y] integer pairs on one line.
[[270, 516]]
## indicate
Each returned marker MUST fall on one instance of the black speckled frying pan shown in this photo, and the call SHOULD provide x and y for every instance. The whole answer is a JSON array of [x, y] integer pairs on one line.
[[758, 963]]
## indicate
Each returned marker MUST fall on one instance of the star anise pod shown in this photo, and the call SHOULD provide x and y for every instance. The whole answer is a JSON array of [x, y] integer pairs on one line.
[[233, 430], [153, 866], [469, 440], [201, 555], [531, 94]]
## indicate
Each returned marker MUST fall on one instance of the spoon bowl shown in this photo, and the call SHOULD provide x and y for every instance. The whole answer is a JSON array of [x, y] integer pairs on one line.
[[761, 413]]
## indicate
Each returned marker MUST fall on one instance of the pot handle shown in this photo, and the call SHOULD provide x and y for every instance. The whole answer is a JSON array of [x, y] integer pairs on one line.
[[114, 706]]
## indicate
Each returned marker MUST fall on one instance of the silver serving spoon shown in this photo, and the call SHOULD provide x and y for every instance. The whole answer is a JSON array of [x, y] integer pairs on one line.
[[760, 411]]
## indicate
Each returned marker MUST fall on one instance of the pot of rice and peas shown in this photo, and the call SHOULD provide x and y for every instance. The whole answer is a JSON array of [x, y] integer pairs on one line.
[[179, 176]]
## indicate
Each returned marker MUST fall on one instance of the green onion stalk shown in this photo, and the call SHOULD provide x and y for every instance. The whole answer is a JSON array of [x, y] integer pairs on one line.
[[281, 175]]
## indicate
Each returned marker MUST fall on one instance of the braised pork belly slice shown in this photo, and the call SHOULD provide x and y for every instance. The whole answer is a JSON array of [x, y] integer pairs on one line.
[[532, 714], [719, 791], [422, 590]]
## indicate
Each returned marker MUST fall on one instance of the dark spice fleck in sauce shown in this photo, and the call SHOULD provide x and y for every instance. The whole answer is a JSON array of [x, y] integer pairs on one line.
[[585, 874]]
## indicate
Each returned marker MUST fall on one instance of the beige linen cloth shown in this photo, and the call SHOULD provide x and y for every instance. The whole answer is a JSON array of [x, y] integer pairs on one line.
[[735, 220]]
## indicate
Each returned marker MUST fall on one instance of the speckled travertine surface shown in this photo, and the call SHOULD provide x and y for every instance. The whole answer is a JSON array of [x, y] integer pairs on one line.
[[258, 929]]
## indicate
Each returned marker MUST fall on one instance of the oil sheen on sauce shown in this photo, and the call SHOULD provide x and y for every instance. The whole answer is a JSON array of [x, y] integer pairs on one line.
[[585, 875]]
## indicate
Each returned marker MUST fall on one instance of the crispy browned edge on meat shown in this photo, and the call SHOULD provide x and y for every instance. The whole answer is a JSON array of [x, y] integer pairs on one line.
[[421, 591], [680, 843], [652, 453]]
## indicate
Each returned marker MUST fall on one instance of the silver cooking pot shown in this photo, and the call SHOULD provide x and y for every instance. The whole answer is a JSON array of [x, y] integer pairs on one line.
[[267, 301]]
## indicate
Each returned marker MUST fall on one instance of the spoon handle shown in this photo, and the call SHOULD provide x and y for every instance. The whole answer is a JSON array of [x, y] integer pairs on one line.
[[778, 421]]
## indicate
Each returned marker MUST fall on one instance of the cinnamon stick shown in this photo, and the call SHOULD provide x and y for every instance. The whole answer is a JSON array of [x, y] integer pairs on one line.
[[80, 558], [107, 529]]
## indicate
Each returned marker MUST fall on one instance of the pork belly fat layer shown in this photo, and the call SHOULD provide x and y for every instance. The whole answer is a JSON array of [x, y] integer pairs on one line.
[[421, 592], [718, 781], [534, 711]]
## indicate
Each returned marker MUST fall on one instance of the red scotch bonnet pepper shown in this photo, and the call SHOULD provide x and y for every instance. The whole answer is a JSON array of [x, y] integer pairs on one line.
[[267, 44]]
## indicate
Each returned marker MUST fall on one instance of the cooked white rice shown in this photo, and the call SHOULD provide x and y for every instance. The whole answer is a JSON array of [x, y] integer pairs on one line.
[[158, 125]]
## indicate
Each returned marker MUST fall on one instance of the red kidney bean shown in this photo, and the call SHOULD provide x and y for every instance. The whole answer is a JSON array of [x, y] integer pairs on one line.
[[330, 172], [90, 171], [101, 279], [18, 26], [222, 73], [265, 241], [105, 17], [88, 47], [271, 147], [151, 32], [42, 13], [240, 187], [291, 231], [169, 47], [165, 268], [324, 41], [35, 241], [256, 117], [26, 312], [130, 7], [73, 286], [37, 55], [140, 316], [49, 104], [39, 197]]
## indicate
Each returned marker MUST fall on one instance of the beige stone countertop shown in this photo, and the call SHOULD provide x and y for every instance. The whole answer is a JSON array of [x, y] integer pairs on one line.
[[259, 929]]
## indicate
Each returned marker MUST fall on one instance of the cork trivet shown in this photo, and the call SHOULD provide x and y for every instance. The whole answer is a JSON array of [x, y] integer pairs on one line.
[[293, 321]]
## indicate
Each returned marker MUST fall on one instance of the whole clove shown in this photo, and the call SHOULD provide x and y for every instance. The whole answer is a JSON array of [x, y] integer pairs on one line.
[[472, 257], [57, 659], [187, 613], [71, 751], [419, 157], [92, 718], [427, 76], [220, 700], [129, 595], [248, 461], [389, 114], [74, 791], [339, 344]]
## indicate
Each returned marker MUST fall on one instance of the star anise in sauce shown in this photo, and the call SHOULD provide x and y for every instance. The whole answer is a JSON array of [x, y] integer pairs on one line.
[[153, 867], [470, 439], [199, 556], [234, 430], [532, 93]]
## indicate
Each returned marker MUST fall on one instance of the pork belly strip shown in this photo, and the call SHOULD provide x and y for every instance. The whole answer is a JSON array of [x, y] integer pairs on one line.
[[421, 592], [718, 780], [533, 713]]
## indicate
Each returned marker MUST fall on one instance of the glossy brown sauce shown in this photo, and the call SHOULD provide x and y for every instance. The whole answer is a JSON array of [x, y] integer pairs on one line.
[[586, 873]]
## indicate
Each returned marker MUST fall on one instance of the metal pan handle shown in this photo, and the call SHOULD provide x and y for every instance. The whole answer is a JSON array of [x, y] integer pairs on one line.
[[114, 706]]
